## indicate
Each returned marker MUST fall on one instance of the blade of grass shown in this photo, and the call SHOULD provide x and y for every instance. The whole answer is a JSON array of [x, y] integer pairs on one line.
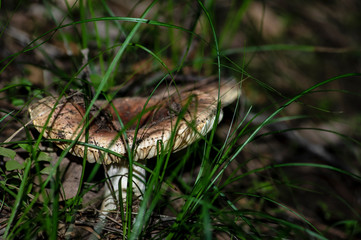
[[233, 22], [31, 45], [268, 119], [197, 191], [18, 199]]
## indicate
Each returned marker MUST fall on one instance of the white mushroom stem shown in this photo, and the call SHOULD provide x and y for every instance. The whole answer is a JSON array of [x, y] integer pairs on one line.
[[119, 175]]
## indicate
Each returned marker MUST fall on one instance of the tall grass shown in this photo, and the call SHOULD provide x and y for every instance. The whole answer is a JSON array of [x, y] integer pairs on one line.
[[209, 190]]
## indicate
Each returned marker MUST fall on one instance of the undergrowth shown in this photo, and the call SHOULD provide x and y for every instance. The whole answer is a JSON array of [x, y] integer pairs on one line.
[[254, 176]]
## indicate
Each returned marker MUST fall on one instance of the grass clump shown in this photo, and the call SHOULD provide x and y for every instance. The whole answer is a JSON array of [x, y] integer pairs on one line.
[[283, 163]]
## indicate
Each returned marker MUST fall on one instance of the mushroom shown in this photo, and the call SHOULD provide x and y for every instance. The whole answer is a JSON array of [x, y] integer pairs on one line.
[[186, 114]]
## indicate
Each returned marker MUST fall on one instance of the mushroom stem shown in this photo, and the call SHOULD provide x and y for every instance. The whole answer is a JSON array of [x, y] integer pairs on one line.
[[118, 182]]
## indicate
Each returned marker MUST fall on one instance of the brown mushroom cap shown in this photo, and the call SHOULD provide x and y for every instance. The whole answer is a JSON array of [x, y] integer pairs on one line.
[[184, 115]]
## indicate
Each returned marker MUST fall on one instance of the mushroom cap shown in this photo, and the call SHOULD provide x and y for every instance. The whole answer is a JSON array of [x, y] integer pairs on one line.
[[183, 117]]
